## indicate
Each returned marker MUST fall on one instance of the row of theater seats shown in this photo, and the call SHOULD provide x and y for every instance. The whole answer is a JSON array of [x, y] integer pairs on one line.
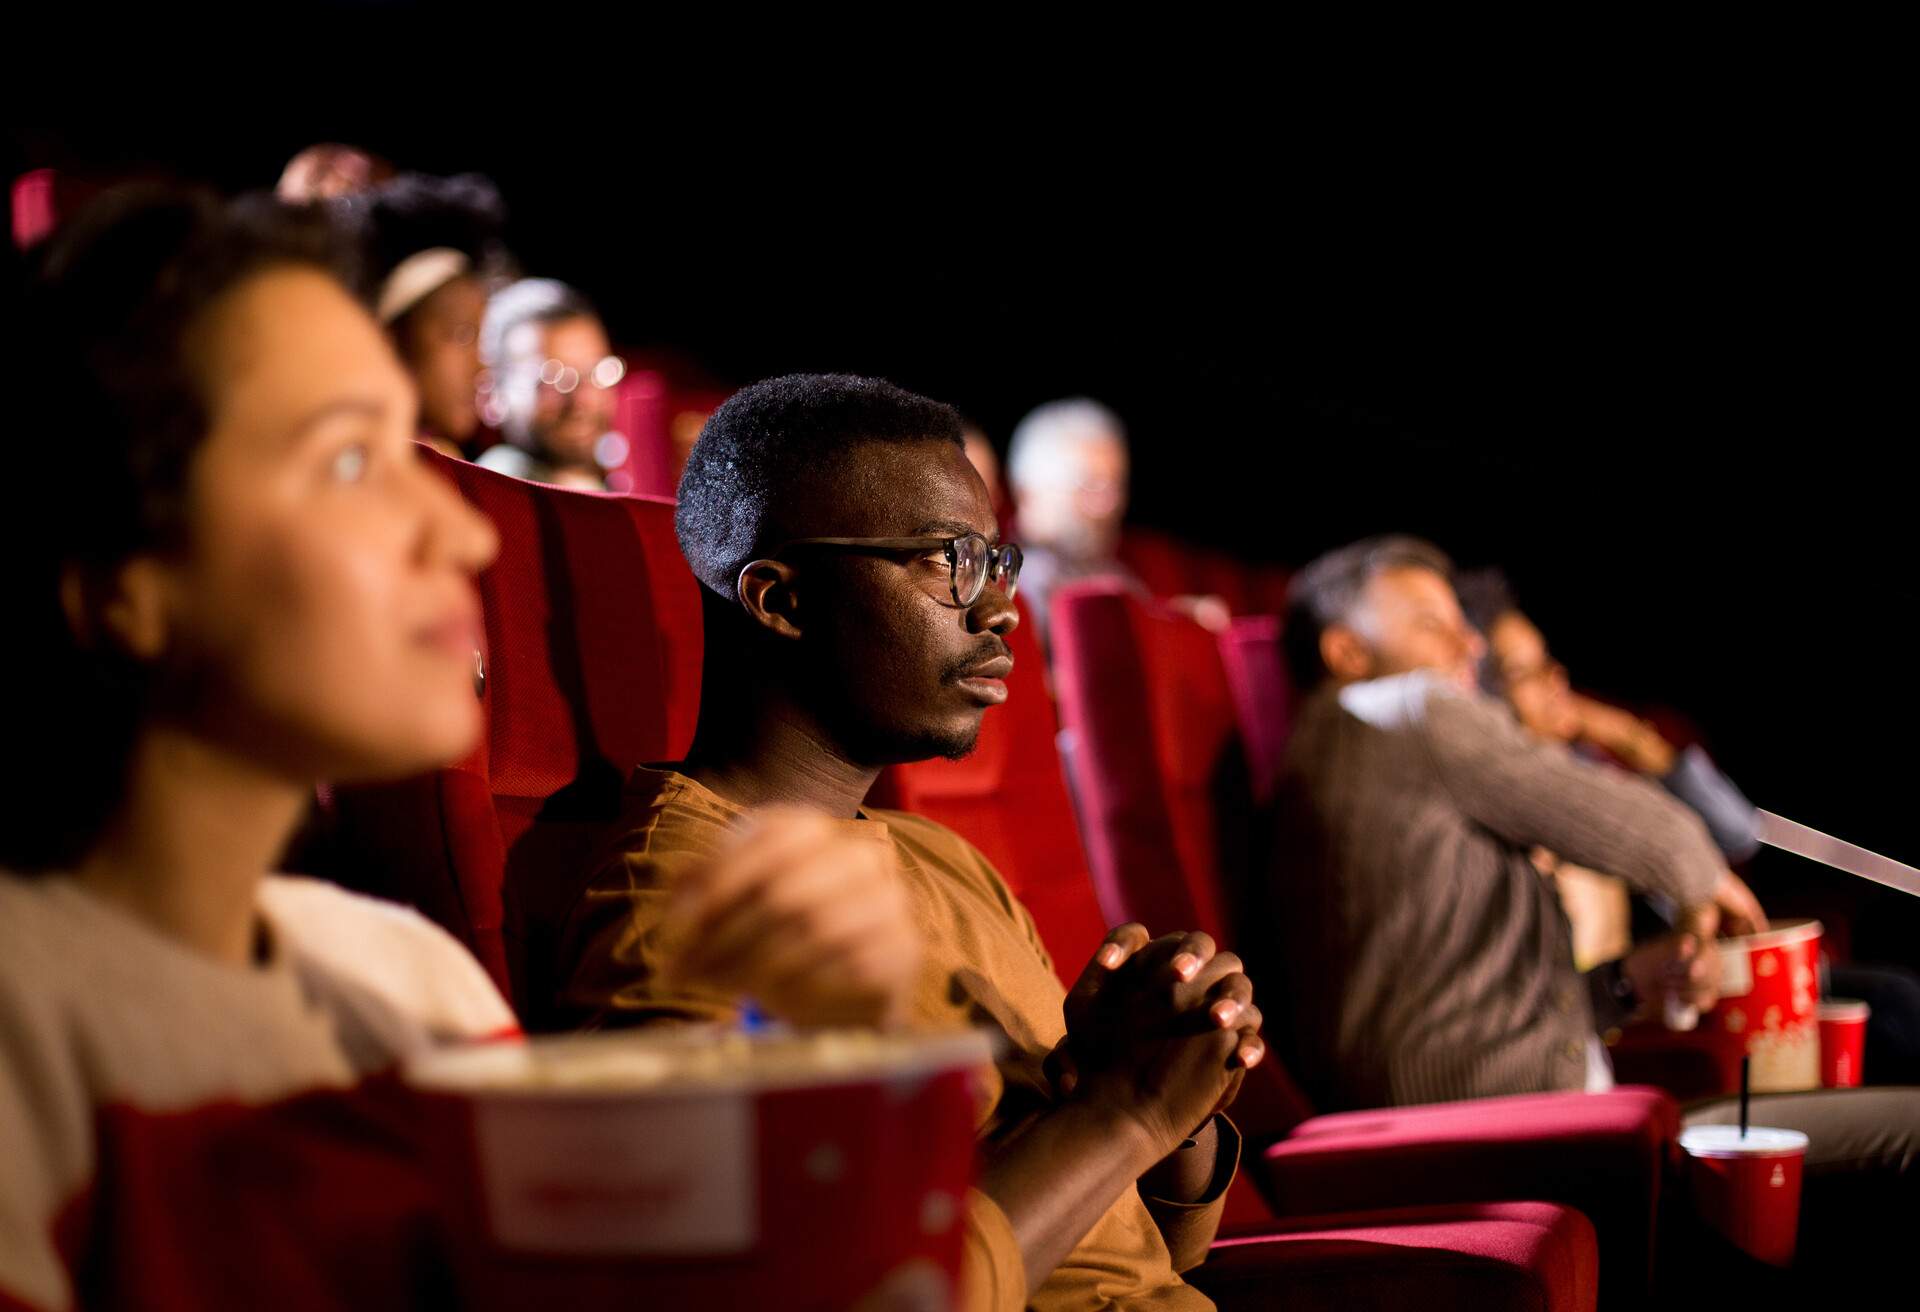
[[592, 664]]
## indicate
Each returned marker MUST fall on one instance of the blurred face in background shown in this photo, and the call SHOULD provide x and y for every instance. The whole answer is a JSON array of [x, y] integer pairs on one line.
[[321, 616], [1532, 682], [1075, 499], [439, 342], [1407, 619], [557, 384], [986, 463]]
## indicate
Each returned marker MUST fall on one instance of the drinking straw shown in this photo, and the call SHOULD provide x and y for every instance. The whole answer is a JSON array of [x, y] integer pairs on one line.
[[1746, 1070]]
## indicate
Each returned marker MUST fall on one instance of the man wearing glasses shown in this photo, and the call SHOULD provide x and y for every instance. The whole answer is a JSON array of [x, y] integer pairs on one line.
[[857, 599], [550, 386]]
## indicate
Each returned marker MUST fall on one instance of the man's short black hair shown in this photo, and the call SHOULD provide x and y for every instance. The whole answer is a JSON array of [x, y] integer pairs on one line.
[[768, 443], [1326, 592]]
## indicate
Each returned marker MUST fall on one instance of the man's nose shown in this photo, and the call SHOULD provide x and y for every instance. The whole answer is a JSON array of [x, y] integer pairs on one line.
[[993, 612]]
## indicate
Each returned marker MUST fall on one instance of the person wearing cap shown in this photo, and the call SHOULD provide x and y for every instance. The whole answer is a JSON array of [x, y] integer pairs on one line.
[[434, 250]]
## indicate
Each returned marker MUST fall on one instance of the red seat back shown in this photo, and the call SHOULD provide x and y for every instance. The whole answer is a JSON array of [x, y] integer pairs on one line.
[[1155, 750], [1162, 779], [1009, 800], [593, 647], [1256, 672]]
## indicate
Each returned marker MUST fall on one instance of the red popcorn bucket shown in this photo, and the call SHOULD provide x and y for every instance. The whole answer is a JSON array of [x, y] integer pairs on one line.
[[1748, 1187], [1769, 993], [704, 1169], [1843, 1042]]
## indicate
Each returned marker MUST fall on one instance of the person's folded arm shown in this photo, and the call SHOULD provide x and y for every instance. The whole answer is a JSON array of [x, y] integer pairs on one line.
[[1536, 793]]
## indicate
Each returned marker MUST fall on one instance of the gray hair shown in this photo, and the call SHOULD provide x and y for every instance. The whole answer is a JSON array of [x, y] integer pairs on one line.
[[531, 300], [1327, 592], [1048, 430]]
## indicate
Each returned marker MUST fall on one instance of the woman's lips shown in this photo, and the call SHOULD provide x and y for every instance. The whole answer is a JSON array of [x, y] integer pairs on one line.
[[458, 634]]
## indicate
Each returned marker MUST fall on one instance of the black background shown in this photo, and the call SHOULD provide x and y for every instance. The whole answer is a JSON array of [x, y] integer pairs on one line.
[[1661, 371]]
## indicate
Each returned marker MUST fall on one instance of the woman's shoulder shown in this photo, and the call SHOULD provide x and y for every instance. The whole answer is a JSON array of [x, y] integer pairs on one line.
[[386, 949]]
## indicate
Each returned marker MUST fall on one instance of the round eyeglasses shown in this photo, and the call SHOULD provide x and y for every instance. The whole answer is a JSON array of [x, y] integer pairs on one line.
[[972, 561], [563, 378]]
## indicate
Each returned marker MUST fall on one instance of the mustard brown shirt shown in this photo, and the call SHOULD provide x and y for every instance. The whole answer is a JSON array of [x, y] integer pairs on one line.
[[984, 966]]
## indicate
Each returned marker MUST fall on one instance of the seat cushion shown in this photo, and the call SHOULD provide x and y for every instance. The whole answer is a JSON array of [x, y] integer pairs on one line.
[[1540, 1257], [1604, 1154]]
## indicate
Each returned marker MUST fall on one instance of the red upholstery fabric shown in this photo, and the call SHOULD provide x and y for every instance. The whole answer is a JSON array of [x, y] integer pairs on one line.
[[1604, 1154], [1009, 800], [1262, 698], [320, 1201], [34, 213], [593, 665], [1471, 1257], [1155, 745], [642, 412], [1171, 568]]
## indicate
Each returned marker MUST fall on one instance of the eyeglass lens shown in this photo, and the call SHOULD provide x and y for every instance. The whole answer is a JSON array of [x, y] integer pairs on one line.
[[971, 560]]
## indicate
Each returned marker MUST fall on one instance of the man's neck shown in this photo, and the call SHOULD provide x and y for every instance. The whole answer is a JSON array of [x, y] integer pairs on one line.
[[198, 831], [774, 755]]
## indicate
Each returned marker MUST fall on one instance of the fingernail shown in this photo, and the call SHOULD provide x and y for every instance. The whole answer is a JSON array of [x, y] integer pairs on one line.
[[1250, 1056], [1111, 955], [1224, 1011], [1185, 965]]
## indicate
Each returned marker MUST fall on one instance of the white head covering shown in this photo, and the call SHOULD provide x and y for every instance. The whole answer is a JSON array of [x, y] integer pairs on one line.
[[417, 277]]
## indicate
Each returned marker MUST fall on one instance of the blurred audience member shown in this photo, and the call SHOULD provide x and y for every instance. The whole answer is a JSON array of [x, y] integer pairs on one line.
[[986, 463], [552, 392], [1520, 669], [1412, 806], [434, 252], [1068, 468], [1422, 955], [239, 582], [329, 171]]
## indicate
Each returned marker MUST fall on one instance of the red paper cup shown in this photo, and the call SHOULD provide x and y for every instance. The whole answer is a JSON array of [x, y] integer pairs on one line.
[[701, 1169], [1748, 1188], [1843, 1042]]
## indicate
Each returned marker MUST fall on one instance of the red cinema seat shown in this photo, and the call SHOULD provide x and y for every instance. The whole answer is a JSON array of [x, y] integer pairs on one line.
[[1463, 1258], [593, 647], [1161, 774], [1009, 800], [1256, 671], [642, 414]]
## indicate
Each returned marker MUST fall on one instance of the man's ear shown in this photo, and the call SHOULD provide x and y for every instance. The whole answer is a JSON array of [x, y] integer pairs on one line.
[[1345, 653], [767, 594], [126, 608]]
